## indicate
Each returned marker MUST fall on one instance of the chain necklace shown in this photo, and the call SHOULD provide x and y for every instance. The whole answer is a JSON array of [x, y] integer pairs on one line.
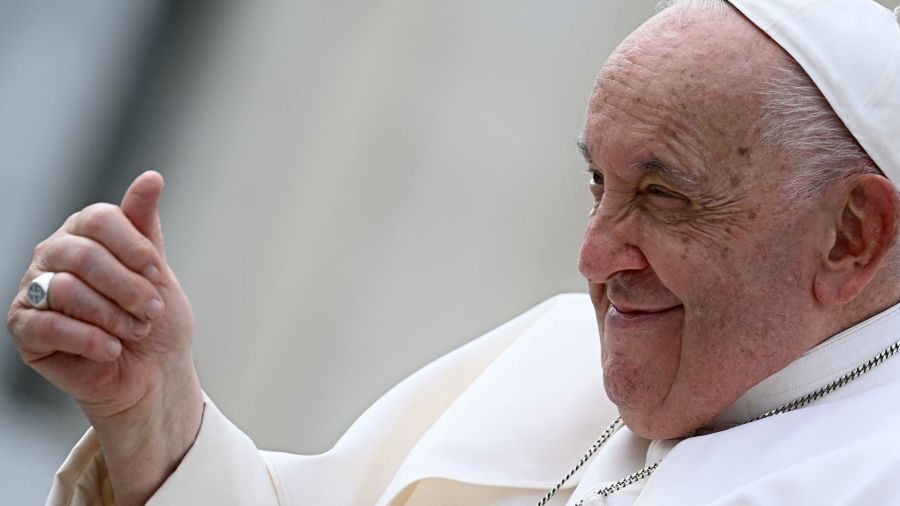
[[598, 497]]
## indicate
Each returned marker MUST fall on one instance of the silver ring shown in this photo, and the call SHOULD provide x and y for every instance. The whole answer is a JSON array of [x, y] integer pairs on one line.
[[39, 291]]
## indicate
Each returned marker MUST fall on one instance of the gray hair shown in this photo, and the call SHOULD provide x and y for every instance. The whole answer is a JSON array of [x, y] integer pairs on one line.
[[717, 6], [797, 119]]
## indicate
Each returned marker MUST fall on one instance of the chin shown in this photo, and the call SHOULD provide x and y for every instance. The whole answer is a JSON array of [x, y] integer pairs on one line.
[[661, 423], [641, 403], [647, 416], [651, 428]]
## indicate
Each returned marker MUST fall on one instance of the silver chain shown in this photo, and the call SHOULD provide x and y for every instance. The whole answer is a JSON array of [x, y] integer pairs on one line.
[[617, 423], [784, 408]]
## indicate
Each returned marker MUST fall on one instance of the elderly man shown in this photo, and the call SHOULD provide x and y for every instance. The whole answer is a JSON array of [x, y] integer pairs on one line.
[[743, 267]]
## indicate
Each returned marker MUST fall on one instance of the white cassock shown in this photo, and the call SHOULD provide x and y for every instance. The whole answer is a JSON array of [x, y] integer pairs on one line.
[[499, 421]]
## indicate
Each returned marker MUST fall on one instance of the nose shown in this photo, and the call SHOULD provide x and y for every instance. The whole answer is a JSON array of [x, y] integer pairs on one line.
[[609, 248]]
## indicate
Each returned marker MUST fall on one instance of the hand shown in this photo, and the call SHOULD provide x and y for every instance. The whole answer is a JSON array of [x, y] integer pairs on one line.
[[117, 335]]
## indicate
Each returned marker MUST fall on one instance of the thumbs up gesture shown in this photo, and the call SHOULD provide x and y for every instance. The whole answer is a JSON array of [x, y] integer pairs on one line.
[[116, 334]]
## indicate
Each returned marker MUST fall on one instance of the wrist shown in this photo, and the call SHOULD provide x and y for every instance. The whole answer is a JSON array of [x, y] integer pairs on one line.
[[144, 444]]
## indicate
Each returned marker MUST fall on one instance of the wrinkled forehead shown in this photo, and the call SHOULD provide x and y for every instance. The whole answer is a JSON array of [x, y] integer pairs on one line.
[[699, 52], [694, 78]]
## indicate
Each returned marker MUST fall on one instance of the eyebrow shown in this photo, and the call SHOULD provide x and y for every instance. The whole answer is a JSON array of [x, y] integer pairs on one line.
[[671, 174], [582, 147]]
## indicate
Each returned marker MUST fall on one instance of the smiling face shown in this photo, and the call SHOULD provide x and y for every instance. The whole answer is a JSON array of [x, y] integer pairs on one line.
[[700, 274]]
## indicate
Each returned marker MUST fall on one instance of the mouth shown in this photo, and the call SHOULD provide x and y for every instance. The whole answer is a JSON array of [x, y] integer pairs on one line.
[[623, 317], [626, 311]]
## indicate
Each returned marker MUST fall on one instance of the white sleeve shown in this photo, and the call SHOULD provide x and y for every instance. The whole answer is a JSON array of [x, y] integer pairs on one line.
[[222, 467]]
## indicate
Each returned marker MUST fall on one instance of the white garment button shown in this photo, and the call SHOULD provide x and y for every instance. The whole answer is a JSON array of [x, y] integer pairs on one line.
[[594, 500]]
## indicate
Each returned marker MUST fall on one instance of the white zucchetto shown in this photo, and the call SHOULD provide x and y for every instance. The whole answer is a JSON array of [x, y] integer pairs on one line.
[[851, 50]]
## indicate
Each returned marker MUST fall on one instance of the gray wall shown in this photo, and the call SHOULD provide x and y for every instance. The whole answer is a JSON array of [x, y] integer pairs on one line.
[[369, 207]]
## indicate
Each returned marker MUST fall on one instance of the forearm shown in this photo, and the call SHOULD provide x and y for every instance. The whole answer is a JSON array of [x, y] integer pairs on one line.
[[144, 444]]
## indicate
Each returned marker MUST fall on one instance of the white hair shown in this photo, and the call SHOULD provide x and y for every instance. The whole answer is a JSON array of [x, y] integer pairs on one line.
[[798, 120], [719, 6]]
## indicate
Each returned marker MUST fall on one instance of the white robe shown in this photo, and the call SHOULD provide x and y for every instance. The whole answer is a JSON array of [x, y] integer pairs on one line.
[[500, 420]]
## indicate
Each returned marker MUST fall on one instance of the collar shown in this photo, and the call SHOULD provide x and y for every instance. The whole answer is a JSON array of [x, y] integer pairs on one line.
[[819, 366]]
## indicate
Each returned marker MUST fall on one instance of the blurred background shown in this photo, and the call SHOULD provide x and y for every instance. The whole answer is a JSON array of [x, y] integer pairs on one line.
[[353, 188]]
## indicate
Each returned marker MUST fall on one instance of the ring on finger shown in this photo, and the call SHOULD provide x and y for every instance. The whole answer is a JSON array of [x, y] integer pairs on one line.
[[38, 293]]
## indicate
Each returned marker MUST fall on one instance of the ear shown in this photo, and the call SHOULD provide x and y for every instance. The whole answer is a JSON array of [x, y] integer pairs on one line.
[[860, 238]]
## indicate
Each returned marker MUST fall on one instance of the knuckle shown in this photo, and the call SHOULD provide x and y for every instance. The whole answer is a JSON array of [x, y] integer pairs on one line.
[[34, 331], [46, 327], [95, 217], [93, 341], [33, 271], [146, 253], [14, 321], [115, 321], [40, 249], [91, 344], [134, 294], [82, 256], [70, 223]]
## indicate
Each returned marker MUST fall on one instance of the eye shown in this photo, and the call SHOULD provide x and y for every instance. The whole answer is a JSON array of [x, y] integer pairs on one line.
[[597, 190], [664, 197], [658, 191]]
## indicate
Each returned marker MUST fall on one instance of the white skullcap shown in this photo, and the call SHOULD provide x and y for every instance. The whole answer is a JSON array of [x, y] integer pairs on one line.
[[851, 50]]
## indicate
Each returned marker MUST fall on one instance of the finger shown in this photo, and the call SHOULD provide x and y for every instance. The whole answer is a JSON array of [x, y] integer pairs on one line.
[[141, 205], [41, 333], [73, 297], [91, 262], [40, 249], [108, 225]]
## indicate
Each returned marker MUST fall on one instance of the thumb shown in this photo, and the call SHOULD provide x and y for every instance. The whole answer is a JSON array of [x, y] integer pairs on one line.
[[141, 205]]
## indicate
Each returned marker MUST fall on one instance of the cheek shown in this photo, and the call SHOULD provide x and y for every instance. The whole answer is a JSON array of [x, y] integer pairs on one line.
[[739, 307], [710, 271], [597, 292]]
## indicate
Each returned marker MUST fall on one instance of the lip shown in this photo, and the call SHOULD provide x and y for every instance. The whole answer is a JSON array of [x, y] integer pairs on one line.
[[627, 317], [626, 310]]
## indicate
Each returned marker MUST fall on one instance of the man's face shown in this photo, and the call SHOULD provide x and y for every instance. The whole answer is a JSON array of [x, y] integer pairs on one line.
[[700, 273]]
